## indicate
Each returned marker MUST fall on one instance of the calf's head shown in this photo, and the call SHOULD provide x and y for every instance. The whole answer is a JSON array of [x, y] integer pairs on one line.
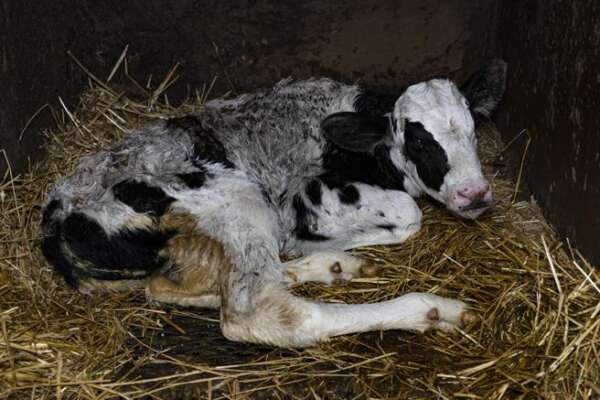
[[430, 138]]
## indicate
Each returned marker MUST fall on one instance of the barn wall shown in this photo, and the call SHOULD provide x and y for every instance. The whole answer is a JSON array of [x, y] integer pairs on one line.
[[245, 43], [553, 49]]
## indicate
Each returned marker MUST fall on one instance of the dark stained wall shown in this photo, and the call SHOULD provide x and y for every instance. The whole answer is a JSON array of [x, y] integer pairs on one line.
[[553, 51], [387, 43]]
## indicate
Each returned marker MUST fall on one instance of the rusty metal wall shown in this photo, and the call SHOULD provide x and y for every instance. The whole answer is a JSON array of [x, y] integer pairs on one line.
[[246, 43], [553, 49]]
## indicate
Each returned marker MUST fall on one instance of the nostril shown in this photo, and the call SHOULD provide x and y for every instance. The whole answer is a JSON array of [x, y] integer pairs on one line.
[[464, 192], [479, 195]]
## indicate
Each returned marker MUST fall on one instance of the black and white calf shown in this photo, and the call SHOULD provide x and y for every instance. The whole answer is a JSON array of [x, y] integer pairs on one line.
[[198, 209]]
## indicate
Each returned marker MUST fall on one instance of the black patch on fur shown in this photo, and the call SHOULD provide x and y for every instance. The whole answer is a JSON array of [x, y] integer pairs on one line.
[[375, 104], [313, 191], [282, 197], [388, 227], [343, 167], [142, 197], [51, 244], [116, 256], [194, 180], [349, 194], [303, 217], [207, 146], [355, 132], [427, 154], [49, 210]]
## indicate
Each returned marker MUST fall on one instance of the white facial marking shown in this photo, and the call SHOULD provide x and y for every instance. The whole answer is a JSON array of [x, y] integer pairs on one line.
[[443, 112]]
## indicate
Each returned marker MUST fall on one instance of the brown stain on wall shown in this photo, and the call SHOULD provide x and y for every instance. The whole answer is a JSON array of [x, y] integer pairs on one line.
[[553, 91]]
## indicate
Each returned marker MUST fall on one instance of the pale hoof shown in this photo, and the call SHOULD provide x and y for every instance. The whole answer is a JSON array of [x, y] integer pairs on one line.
[[468, 318], [369, 270], [329, 267]]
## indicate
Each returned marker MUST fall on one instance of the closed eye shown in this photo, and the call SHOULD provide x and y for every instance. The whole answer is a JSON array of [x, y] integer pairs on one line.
[[416, 137], [426, 153]]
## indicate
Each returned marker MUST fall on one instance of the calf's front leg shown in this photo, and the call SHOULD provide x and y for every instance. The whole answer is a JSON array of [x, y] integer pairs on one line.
[[327, 267]]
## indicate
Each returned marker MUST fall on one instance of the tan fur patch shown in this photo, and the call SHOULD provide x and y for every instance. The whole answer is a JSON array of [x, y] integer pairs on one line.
[[197, 262], [288, 316], [93, 285]]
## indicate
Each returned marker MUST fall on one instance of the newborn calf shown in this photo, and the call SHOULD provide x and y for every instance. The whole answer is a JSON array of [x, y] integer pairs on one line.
[[199, 208]]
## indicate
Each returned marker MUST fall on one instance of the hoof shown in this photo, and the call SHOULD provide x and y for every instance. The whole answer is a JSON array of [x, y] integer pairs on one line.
[[336, 268], [468, 318], [369, 270], [433, 315]]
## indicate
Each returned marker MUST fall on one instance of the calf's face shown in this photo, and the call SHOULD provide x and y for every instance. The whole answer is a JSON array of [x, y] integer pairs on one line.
[[434, 144], [430, 138]]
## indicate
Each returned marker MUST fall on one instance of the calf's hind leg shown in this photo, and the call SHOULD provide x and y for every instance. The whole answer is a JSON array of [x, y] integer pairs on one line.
[[196, 261], [278, 318], [164, 290]]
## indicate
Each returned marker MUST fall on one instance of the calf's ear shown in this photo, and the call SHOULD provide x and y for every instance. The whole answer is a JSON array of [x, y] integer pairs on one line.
[[484, 89], [355, 132]]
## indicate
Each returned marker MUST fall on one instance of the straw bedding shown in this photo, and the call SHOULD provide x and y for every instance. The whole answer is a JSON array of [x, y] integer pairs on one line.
[[539, 302]]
